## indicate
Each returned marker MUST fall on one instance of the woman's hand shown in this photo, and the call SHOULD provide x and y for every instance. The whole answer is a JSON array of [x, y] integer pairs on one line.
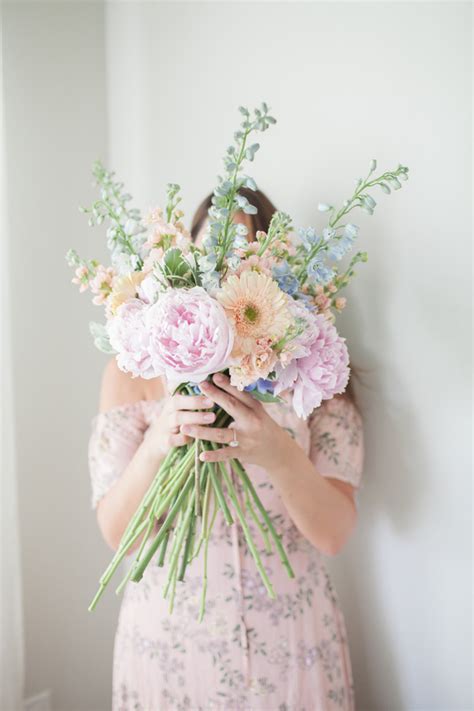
[[324, 514], [166, 431], [260, 439]]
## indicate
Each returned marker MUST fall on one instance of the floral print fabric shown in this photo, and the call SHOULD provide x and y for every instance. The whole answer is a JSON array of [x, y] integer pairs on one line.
[[250, 653]]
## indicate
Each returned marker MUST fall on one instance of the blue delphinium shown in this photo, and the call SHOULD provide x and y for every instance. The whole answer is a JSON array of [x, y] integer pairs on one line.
[[306, 300], [318, 272], [210, 277], [308, 237], [338, 247], [262, 386], [285, 278]]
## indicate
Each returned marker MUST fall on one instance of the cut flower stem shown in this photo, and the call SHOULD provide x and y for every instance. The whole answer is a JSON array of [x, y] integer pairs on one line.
[[184, 492]]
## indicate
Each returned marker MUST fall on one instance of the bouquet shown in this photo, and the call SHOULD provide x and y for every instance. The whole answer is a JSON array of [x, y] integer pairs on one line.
[[260, 311]]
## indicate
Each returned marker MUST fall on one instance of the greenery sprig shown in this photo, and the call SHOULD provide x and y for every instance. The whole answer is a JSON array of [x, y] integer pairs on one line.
[[112, 205], [226, 200], [361, 197]]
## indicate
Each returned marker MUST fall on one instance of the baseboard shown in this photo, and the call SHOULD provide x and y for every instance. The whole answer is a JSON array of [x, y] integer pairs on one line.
[[38, 702]]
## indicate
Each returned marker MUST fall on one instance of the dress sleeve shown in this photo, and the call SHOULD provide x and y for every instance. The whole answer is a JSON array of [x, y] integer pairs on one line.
[[337, 440], [116, 435]]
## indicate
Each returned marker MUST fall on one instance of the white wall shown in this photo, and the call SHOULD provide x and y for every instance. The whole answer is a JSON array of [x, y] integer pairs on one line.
[[348, 82], [55, 128]]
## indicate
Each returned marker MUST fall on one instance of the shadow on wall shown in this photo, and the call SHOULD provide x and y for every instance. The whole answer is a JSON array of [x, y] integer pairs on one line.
[[392, 493]]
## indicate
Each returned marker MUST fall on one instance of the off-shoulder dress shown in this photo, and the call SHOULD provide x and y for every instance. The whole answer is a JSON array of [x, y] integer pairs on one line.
[[250, 653]]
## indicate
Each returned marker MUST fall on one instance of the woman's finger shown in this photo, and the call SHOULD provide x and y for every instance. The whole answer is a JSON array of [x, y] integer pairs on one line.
[[222, 435], [191, 402], [228, 402], [224, 383], [179, 440], [193, 417], [220, 455]]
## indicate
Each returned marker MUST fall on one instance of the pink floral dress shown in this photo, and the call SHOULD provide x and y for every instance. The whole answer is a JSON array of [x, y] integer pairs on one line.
[[250, 653]]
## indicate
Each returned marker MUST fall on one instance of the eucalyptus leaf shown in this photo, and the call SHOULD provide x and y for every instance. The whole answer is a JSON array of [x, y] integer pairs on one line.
[[101, 338]]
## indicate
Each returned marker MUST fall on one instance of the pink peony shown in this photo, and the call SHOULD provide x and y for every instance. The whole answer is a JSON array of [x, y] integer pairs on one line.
[[319, 375], [128, 336], [190, 336]]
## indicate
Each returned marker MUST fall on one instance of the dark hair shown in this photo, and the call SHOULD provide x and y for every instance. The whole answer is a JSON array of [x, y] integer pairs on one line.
[[259, 221]]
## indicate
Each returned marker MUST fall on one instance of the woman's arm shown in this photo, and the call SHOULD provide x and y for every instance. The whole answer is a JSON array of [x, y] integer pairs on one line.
[[117, 507], [323, 509]]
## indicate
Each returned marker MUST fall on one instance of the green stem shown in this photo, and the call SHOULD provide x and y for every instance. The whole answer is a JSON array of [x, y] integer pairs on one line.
[[163, 547], [187, 548], [151, 523], [112, 567], [261, 526], [161, 533], [202, 607], [205, 510], [150, 494], [248, 536], [161, 504], [182, 531], [197, 487], [277, 539], [220, 496], [231, 197]]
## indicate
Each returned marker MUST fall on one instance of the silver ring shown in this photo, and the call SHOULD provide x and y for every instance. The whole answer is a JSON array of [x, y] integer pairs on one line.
[[234, 442]]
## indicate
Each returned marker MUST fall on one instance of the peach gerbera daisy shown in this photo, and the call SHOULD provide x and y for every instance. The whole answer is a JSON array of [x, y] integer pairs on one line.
[[124, 287], [257, 307]]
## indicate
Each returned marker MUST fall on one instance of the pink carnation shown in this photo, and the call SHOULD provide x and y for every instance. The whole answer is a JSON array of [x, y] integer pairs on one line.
[[128, 336], [319, 375], [190, 336]]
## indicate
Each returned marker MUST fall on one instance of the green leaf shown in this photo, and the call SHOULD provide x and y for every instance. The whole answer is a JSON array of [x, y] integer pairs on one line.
[[175, 263], [101, 338]]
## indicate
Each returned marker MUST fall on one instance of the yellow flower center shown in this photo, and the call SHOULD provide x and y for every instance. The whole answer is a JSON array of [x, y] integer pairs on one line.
[[251, 313]]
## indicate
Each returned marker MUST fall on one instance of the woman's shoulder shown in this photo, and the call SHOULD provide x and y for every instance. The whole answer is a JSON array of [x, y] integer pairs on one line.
[[119, 389], [337, 407], [336, 416]]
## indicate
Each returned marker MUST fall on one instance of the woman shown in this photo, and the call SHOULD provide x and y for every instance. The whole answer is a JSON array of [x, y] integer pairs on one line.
[[250, 652]]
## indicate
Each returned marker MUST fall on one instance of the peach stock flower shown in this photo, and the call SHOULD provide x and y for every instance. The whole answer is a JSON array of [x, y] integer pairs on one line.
[[82, 278], [101, 284], [254, 263]]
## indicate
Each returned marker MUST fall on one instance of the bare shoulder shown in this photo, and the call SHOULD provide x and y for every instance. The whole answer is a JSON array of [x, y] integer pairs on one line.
[[119, 388]]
